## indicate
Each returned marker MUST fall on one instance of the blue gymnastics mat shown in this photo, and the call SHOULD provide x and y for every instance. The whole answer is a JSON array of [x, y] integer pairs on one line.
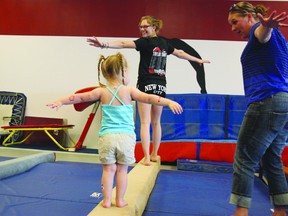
[[74, 189], [58, 189], [197, 193], [5, 158]]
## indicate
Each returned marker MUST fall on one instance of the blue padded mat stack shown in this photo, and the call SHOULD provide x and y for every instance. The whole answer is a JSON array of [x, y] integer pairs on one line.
[[235, 113], [204, 166], [205, 116]]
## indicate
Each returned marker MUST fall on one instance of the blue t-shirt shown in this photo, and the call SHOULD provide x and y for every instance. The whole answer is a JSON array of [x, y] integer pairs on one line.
[[265, 66]]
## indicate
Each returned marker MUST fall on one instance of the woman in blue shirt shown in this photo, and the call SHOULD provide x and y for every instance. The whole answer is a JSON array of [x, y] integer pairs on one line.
[[264, 128]]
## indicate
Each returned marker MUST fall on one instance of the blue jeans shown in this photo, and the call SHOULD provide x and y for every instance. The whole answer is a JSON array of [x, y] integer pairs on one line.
[[262, 139]]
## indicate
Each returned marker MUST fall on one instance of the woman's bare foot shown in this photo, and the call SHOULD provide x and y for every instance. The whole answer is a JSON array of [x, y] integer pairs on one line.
[[280, 211], [241, 212], [106, 204], [146, 161], [153, 158], [121, 203]]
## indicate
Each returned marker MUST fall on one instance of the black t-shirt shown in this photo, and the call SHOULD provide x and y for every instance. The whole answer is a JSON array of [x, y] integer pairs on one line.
[[153, 57]]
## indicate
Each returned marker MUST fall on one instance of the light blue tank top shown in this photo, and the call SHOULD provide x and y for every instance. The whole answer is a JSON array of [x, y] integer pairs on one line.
[[117, 119]]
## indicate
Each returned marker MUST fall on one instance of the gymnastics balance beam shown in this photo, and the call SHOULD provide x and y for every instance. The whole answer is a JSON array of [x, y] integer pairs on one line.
[[33, 128], [141, 180]]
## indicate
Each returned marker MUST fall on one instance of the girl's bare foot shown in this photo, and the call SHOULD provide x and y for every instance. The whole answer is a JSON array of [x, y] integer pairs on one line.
[[121, 203], [106, 204], [146, 161]]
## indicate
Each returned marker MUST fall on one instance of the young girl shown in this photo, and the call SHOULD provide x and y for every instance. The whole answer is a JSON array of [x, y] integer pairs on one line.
[[153, 51], [117, 138]]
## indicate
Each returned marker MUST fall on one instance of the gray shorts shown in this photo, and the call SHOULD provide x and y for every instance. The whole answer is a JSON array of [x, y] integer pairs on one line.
[[117, 148]]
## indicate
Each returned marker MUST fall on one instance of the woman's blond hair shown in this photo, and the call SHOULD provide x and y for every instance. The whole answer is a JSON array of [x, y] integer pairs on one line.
[[244, 8], [153, 21]]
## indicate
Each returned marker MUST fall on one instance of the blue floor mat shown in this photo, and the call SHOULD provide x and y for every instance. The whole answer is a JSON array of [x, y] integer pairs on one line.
[[66, 188], [30, 206], [4, 158], [193, 193]]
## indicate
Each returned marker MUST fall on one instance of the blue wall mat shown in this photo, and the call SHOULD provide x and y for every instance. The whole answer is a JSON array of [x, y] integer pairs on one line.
[[205, 116]]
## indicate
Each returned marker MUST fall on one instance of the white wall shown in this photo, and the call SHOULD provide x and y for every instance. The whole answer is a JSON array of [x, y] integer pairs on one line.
[[47, 68]]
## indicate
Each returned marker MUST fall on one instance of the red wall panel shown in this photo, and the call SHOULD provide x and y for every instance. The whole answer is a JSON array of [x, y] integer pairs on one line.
[[185, 19], [171, 151]]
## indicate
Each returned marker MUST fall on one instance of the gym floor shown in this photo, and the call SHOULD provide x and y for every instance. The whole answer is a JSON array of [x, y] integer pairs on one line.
[[73, 178]]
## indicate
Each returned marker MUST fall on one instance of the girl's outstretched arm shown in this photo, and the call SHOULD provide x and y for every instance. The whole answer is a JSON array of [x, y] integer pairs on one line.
[[76, 98], [137, 95]]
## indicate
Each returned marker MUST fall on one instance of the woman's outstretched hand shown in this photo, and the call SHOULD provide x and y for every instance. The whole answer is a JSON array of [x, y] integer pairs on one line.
[[274, 20], [93, 41]]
